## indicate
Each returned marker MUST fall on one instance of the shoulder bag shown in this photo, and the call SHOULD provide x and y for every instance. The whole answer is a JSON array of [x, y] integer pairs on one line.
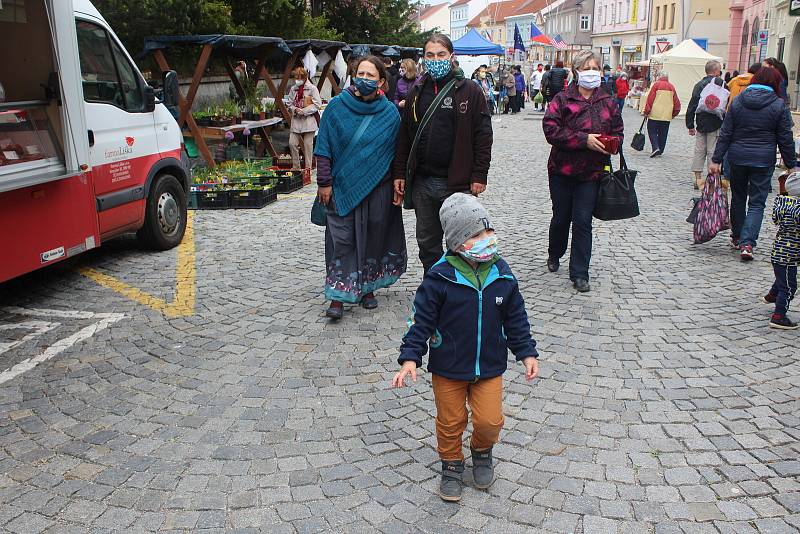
[[616, 198], [412, 154], [319, 212]]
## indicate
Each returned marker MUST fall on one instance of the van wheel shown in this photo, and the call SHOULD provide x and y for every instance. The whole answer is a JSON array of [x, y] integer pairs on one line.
[[165, 214]]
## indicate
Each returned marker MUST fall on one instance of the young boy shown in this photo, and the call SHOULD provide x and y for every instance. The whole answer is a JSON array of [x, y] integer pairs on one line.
[[785, 252], [470, 308]]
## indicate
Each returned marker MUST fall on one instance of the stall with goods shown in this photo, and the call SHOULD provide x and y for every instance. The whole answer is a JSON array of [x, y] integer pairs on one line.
[[266, 52], [241, 184]]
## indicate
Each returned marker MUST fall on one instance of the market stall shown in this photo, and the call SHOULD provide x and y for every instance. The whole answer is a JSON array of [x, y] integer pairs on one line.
[[316, 53], [473, 50], [685, 64], [265, 51], [392, 51]]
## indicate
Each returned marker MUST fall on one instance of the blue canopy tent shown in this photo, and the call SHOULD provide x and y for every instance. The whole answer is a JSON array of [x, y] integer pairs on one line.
[[472, 44]]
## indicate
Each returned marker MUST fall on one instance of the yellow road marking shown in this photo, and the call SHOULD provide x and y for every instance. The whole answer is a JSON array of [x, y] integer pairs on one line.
[[183, 303]]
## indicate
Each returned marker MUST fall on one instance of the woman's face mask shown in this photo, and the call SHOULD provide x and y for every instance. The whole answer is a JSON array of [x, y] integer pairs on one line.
[[366, 86], [438, 68], [589, 79]]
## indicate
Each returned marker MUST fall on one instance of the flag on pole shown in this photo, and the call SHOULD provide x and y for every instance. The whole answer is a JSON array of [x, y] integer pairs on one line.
[[518, 44], [538, 37], [559, 43]]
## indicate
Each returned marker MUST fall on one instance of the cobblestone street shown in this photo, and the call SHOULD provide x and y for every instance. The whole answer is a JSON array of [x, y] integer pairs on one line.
[[665, 404]]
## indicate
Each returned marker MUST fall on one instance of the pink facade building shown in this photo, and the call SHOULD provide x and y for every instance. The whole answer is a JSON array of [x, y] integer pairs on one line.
[[747, 40]]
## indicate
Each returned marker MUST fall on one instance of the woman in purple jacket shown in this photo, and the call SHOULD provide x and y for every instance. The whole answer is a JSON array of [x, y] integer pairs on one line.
[[408, 77], [574, 121]]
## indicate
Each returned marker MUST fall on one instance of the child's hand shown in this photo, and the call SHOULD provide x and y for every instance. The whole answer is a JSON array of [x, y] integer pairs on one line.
[[399, 379], [531, 368]]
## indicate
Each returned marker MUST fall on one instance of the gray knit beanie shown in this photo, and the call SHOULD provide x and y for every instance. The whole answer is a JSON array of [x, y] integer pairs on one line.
[[792, 184], [462, 217]]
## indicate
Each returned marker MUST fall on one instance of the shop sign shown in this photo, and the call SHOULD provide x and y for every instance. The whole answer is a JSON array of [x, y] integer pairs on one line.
[[616, 42], [634, 11], [794, 8], [607, 49], [632, 49], [763, 37]]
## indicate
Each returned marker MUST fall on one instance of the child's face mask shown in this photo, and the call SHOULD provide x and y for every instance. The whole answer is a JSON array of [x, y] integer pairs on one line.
[[482, 250]]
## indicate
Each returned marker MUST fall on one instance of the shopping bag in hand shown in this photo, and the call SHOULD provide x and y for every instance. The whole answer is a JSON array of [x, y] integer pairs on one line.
[[637, 143], [712, 211]]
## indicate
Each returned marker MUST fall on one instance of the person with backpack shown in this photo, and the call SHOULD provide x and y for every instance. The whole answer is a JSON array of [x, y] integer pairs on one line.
[[757, 123], [444, 145], [704, 116]]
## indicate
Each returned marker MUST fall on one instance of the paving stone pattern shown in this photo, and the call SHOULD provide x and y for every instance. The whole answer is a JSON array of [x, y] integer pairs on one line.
[[665, 404]]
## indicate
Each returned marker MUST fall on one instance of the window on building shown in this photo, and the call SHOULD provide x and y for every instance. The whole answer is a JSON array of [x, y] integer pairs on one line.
[[781, 48], [655, 20], [743, 51], [619, 11], [754, 43], [585, 23], [664, 18], [672, 16]]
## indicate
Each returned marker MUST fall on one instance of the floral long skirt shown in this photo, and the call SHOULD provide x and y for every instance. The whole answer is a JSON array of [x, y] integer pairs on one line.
[[366, 249]]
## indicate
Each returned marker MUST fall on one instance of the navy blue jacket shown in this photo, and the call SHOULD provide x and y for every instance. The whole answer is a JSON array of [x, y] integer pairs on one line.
[[472, 328], [757, 122]]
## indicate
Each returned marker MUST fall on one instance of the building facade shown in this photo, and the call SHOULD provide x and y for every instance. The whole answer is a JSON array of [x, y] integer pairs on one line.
[[783, 42], [461, 12], [572, 20], [708, 22], [748, 34], [620, 30], [436, 17], [491, 21]]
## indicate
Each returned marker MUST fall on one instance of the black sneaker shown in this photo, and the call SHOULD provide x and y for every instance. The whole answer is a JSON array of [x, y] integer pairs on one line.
[[552, 264], [581, 285], [781, 322], [452, 482], [335, 311], [770, 298], [482, 468], [655, 153]]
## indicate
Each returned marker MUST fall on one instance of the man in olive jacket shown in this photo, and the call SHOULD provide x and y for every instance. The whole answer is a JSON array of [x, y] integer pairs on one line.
[[454, 149]]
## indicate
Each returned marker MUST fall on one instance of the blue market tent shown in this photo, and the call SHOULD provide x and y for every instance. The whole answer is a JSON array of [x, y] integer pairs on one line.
[[472, 44]]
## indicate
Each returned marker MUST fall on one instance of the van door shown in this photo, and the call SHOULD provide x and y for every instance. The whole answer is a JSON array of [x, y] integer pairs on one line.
[[121, 130]]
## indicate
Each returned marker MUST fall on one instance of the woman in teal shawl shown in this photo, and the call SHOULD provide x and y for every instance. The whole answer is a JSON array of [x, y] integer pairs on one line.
[[365, 244]]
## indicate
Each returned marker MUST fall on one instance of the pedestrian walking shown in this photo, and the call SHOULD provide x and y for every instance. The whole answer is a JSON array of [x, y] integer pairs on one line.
[[785, 252], [661, 107], [407, 78], [365, 245], [519, 88], [510, 84], [622, 89], [536, 84], [546, 85], [740, 83], [781, 68], [572, 124], [706, 129], [558, 79], [480, 77], [609, 82], [757, 123], [392, 76], [470, 312], [304, 104], [444, 145]]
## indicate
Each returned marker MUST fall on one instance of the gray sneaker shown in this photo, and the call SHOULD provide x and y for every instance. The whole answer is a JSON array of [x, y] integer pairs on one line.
[[452, 482], [482, 468]]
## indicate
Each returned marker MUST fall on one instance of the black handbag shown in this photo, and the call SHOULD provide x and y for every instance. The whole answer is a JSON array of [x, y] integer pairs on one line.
[[616, 198], [319, 213], [692, 218], [637, 143]]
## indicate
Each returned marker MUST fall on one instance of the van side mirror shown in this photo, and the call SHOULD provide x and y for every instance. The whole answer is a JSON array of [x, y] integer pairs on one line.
[[149, 99], [170, 89]]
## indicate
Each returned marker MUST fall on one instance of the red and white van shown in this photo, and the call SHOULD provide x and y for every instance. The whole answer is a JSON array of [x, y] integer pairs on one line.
[[86, 151]]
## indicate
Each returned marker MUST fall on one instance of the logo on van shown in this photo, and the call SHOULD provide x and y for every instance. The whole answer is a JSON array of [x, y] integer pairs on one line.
[[121, 151], [129, 140]]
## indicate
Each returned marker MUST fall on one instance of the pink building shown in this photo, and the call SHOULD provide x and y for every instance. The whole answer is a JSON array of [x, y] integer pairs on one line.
[[747, 40]]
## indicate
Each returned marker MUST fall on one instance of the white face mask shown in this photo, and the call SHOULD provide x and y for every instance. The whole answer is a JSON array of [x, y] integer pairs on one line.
[[589, 79]]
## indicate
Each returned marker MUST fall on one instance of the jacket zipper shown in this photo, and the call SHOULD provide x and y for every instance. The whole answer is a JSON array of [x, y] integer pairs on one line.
[[480, 325]]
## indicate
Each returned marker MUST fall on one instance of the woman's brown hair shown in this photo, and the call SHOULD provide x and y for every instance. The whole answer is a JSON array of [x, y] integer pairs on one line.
[[411, 67], [300, 73]]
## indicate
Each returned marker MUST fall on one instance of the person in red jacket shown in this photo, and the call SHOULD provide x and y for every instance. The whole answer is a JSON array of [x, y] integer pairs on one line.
[[622, 90], [661, 107]]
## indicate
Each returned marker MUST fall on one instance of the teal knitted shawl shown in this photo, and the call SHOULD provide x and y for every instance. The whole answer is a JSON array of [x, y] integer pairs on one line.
[[356, 176]]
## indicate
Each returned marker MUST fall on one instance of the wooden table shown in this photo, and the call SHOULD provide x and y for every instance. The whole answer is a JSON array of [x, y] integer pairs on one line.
[[264, 128]]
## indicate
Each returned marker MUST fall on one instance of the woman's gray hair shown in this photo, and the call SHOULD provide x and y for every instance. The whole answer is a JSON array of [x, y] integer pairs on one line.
[[583, 57]]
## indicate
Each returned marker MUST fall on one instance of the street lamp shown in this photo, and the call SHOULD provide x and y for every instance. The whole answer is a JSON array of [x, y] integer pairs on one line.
[[686, 32]]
